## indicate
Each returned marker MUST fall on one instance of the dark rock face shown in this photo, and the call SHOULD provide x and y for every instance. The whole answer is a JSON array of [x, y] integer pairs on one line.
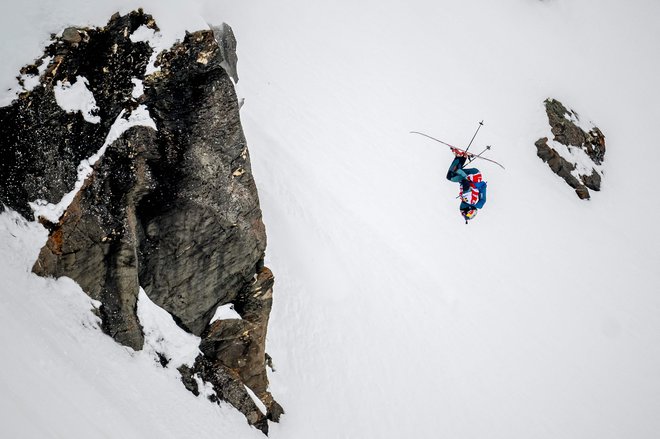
[[560, 166], [39, 139], [232, 349], [239, 344], [173, 210], [224, 36], [95, 241], [204, 189], [565, 131]]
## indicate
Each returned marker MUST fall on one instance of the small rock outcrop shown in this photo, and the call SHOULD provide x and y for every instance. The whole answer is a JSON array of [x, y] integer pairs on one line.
[[172, 210], [224, 36], [574, 153], [233, 348]]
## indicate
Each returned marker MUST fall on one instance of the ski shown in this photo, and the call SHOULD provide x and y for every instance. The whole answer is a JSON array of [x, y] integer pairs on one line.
[[470, 155]]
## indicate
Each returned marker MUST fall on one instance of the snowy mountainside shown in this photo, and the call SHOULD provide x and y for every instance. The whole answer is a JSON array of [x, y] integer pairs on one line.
[[61, 376], [382, 327], [552, 335]]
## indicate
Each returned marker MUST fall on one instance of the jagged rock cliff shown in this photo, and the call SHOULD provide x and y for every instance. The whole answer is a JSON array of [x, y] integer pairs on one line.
[[575, 154], [173, 210]]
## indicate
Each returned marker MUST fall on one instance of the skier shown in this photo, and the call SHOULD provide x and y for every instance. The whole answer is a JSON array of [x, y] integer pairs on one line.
[[473, 188]]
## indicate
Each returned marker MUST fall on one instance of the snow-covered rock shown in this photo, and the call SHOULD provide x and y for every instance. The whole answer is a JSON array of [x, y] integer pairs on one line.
[[576, 151]]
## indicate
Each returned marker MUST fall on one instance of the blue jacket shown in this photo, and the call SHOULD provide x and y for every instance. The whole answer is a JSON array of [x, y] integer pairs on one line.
[[481, 186]]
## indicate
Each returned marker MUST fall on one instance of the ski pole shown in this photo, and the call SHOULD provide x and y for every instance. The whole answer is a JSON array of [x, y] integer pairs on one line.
[[475, 135], [478, 155]]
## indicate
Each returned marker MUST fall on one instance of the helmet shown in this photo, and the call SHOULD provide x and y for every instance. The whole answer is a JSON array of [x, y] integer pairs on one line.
[[468, 214]]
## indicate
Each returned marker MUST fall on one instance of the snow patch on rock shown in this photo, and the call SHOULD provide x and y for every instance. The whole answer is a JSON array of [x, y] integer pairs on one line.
[[163, 337], [155, 40], [138, 88], [226, 312], [256, 400], [77, 97], [53, 211]]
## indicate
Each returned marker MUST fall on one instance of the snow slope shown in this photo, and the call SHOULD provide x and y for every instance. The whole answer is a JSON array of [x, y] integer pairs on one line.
[[392, 318], [62, 377]]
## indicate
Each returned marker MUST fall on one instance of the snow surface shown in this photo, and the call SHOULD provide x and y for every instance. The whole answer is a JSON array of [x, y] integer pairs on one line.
[[391, 317], [61, 377], [226, 312], [163, 336], [157, 43]]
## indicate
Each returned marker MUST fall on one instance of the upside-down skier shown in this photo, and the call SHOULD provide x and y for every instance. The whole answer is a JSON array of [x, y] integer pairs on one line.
[[472, 187]]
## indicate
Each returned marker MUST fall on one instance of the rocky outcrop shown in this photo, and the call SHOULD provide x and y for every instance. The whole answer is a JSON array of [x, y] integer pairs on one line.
[[574, 154], [42, 144], [233, 349], [174, 210], [224, 36], [204, 190], [96, 242]]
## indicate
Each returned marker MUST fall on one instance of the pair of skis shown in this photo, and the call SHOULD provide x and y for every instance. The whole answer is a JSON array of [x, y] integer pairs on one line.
[[464, 152]]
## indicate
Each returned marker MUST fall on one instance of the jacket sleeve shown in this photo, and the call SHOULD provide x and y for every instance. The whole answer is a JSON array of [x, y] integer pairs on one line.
[[482, 195]]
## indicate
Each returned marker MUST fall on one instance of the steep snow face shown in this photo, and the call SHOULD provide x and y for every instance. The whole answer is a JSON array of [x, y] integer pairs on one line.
[[391, 317], [61, 376]]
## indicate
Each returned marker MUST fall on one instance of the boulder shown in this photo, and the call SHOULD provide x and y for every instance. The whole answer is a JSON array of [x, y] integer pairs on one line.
[[71, 35], [566, 130]]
